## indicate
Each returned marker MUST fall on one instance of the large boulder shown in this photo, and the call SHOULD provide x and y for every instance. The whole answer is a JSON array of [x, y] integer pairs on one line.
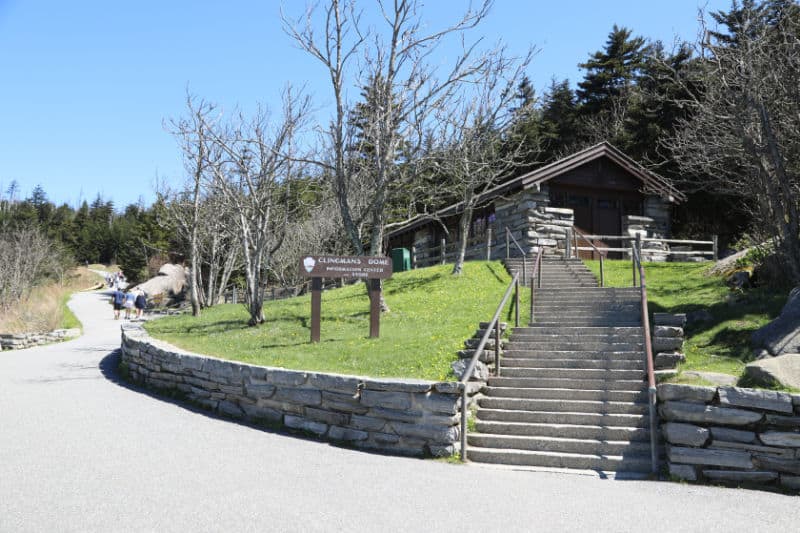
[[782, 370], [782, 335], [167, 286]]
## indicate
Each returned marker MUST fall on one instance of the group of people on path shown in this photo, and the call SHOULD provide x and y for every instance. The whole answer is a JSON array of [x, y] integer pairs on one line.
[[115, 280], [128, 301]]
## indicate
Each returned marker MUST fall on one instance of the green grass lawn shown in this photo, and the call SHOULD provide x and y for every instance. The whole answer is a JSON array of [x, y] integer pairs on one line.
[[432, 312], [720, 344]]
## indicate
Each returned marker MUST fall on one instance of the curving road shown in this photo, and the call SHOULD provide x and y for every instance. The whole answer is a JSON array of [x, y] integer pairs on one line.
[[80, 451]]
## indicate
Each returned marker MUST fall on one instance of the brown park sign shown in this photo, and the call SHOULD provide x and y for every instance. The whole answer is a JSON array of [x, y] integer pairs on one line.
[[337, 266], [374, 269]]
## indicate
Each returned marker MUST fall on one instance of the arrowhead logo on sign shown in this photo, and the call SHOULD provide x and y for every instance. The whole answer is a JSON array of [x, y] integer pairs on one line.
[[309, 263]]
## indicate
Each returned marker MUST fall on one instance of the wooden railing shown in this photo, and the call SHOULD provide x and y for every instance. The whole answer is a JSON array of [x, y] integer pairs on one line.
[[602, 253], [713, 252], [446, 252]]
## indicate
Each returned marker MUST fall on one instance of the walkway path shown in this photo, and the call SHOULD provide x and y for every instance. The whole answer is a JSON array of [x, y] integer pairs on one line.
[[81, 452]]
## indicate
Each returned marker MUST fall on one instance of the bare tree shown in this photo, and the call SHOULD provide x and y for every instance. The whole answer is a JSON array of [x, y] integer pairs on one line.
[[253, 179], [25, 256], [477, 150], [743, 135], [405, 88]]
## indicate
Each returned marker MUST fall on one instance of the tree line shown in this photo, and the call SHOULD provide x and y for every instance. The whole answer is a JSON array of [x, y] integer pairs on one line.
[[718, 117]]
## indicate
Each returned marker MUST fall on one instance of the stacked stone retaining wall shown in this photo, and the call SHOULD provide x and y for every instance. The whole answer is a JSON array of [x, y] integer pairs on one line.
[[731, 435], [18, 341], [399, 416]]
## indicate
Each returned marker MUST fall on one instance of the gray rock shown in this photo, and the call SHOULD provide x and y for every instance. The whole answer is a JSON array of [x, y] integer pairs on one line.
[[667, 331], [685, 472], [448, 387], [753, 448], [367, 423], [298, 396], [739, 280], [703, 456], [433, 433], [780, 464], [780, 438], [398, 385], [756, 399], [338, 401], [230, 409], [479, 373], [286, 378], [665, 360], [687, 434], [790, 482], [327, 417], [438, 450], [674, 391], [334, 383], [782, 335], [297, 422], [694, 412], [667, 344], [390, 400], [402, 415], [732, 435], [783, 421], [438, 403], [738, 476], [781, 370], [346, 434], [257, 391]]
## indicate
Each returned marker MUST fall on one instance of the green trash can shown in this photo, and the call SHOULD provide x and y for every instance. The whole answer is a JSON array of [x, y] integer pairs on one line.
[[401, 259]]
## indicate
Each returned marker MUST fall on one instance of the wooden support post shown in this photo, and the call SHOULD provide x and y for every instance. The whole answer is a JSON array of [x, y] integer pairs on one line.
[[374, 308], [234, 295], [442, 251], [516, 304], [508, 243], [316, 308], [488, 244], [413, 257], [602, 273], [715, 249], [568, 244]]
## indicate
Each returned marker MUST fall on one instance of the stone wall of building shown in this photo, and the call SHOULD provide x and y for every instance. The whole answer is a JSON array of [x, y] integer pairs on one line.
[[531, 221], [18, 341], [399, 416], [731, 435]]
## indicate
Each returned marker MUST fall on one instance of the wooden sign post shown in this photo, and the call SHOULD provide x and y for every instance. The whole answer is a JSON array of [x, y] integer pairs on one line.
[[372, 269]]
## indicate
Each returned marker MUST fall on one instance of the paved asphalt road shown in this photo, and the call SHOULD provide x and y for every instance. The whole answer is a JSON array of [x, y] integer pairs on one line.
[[80, 451]]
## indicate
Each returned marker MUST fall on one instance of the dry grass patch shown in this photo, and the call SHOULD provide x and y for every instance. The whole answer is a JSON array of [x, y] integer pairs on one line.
[[45, 309]]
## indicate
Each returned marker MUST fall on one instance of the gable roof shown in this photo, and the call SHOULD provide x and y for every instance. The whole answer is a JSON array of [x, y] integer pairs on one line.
[[652, 183]]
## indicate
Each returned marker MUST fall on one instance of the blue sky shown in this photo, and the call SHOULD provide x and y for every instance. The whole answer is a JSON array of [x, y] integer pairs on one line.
[[85, 86]]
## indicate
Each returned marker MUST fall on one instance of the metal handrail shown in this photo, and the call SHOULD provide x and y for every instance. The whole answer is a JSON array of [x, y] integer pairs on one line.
[[536, 275], [493, 325], [648, 348], [596, 249], [521, 251]]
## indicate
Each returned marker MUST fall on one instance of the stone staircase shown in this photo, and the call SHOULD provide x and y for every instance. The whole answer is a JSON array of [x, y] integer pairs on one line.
[[571, 391], [556, 272]]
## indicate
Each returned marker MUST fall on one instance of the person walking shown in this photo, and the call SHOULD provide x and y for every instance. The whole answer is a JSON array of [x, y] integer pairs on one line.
[[140, 303], [117, 300], [130, 300]]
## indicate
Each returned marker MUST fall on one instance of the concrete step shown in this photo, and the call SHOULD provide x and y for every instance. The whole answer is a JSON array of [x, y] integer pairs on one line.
[[624, 463], [563, 406], [550, 338], [609, 330], [571, 431], [609, 364], [568, 383], [573, 373], [513, 352], [567, 394], [585, 323], [559, 417], [577, 345], [558, 444]]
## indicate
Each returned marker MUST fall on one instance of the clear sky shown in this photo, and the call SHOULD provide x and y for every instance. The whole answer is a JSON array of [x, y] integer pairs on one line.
[[85, 86]]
